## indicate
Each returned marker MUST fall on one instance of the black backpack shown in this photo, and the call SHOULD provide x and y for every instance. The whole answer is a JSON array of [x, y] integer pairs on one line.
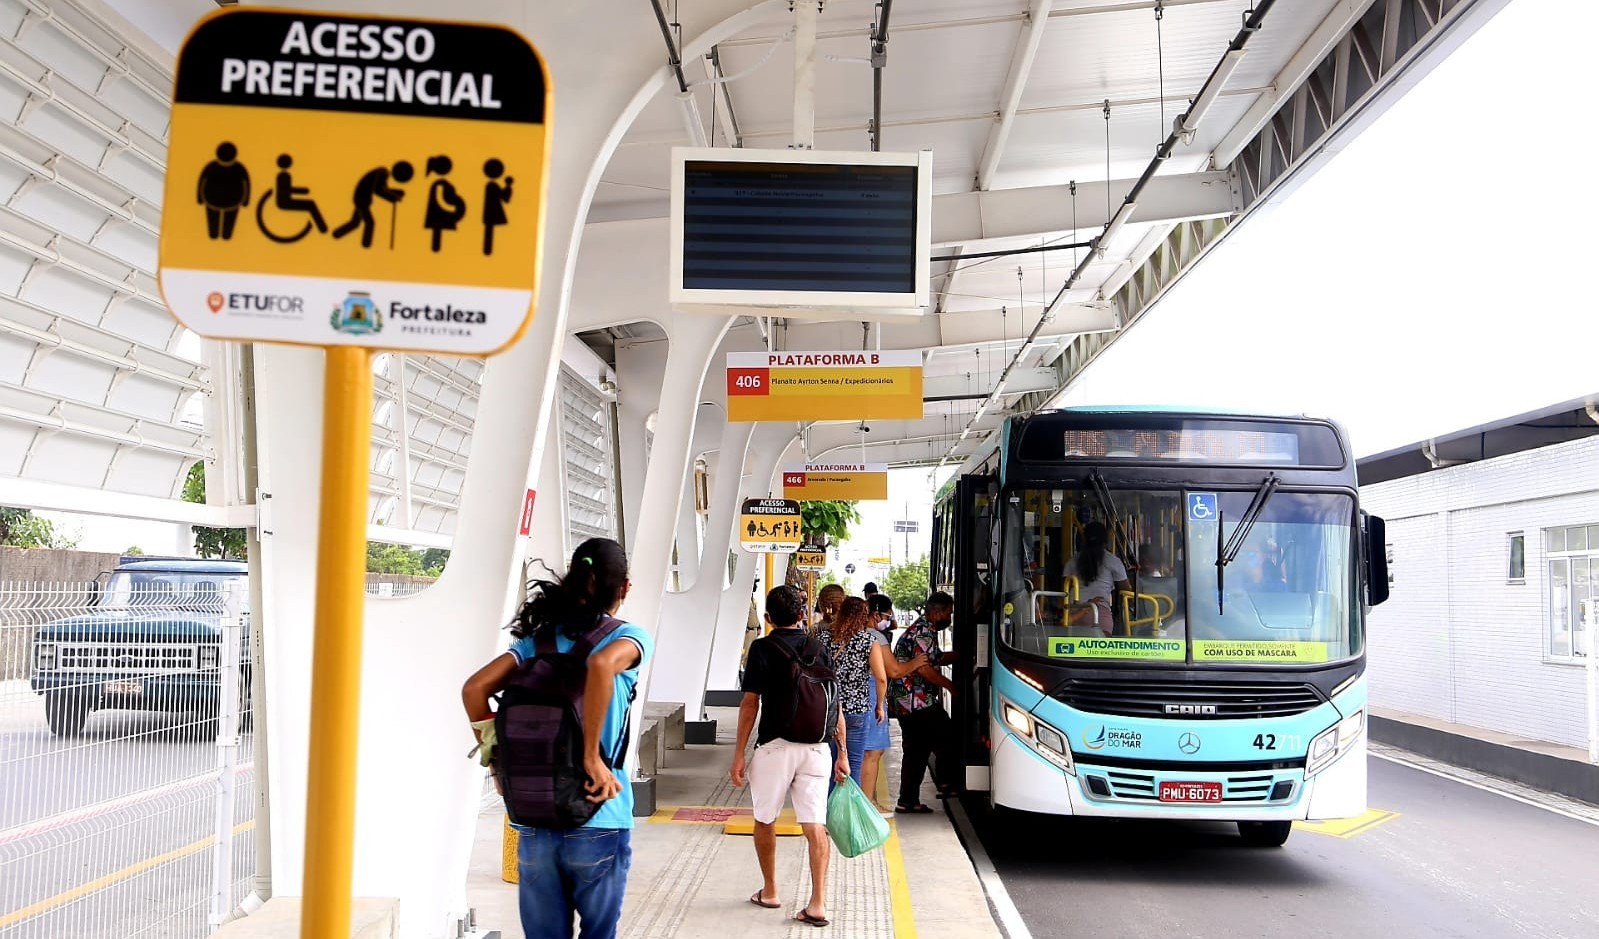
[[809, 709], [539, 723]]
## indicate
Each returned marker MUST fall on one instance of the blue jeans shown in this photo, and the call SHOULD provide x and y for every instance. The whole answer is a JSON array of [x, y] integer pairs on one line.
[[582, 871], [854, 746]]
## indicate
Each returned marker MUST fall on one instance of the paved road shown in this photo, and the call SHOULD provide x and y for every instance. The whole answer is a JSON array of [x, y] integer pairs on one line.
[[106, 834], [1456, 862]]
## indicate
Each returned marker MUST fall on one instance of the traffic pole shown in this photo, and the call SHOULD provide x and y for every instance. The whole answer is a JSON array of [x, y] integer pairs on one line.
[[336, 653]]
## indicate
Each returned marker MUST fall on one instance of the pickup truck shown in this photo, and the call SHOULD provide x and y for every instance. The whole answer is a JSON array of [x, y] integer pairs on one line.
[[151, 642]]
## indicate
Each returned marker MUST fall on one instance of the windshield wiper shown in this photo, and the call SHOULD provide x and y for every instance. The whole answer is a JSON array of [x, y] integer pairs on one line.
[[1097, 482], [1225, 554]]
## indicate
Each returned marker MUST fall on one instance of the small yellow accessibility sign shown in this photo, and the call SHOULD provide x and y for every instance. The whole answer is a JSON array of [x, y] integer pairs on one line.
[[770, 525], [352, 180], [810, 558]]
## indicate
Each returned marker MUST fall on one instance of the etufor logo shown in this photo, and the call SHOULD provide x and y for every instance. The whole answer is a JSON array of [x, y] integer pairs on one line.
[[357, 316]]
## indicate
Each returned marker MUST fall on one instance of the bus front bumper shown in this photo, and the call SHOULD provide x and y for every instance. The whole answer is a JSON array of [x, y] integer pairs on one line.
[[1024, 780]]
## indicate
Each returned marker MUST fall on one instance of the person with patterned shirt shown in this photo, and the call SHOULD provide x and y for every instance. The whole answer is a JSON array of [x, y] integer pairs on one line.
[[917, 702], [849, 641]]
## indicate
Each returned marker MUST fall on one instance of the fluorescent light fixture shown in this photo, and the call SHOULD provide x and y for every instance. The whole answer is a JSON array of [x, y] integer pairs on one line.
[[1208, 94], [1116, 222]]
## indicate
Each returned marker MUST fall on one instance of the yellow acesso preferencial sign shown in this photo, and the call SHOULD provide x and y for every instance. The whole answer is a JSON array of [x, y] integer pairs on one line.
[[348, 180]]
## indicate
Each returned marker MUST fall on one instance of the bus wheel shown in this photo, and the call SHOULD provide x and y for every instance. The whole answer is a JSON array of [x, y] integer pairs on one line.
[[1265, 834], [66, 712]]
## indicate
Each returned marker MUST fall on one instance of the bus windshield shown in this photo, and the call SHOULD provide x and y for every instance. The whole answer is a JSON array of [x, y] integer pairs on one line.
[[1097, 573], [1289, 594]]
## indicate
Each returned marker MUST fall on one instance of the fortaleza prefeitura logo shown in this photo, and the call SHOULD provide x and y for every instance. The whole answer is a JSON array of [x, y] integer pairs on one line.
[[357, 316]]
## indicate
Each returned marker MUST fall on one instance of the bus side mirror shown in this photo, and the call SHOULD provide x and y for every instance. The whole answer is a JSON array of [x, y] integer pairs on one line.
[[1376, 560]]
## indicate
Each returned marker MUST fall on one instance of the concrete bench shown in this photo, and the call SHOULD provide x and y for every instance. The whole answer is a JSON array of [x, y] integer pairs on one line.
[[279, 918], [649, 748], [670, 715]]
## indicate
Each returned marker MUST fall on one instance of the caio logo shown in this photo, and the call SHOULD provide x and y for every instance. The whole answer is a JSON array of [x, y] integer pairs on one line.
[[215, 300], [793, 479]]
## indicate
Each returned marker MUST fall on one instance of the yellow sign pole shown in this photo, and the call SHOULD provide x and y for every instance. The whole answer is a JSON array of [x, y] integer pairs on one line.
[[336, 656]]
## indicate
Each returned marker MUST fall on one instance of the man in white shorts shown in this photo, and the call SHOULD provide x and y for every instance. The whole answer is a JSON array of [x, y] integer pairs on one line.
[[782, 768]]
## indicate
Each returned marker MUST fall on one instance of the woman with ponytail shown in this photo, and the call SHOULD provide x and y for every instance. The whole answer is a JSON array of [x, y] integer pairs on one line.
[[580, 871], [1099, 574]]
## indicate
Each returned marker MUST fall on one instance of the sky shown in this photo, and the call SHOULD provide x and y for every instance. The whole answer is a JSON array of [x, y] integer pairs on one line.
[[1428, 278]]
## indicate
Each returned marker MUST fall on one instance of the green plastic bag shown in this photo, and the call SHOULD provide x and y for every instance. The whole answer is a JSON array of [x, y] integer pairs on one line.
[[853, 822]]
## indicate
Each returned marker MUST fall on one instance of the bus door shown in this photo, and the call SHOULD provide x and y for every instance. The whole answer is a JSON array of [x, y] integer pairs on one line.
[[976, 505]]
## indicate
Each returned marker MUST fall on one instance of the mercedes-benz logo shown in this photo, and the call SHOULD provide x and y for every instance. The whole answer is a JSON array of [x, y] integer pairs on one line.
[[1188, 743]]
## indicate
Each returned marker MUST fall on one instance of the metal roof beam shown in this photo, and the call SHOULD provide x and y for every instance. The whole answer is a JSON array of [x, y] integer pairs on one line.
[[1304, 62], [1021, 66], [972, 385], [968, 218], [59, 497]]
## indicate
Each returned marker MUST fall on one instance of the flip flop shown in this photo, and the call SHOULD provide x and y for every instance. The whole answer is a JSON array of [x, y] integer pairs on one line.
[[804, 916], [755, 898], [917, 809]]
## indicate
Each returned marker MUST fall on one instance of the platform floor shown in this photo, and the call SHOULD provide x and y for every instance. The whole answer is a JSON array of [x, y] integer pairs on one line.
[[691, 880]]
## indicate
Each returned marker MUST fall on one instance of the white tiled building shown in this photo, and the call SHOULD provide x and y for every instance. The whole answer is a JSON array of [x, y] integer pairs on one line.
[[1495, 573]]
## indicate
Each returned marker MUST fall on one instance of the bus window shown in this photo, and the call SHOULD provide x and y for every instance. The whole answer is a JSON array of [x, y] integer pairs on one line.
[[1046, 601], [1289, 594]]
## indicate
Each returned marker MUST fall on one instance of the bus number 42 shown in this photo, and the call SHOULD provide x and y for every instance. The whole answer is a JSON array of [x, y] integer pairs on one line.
[[1271, 741]]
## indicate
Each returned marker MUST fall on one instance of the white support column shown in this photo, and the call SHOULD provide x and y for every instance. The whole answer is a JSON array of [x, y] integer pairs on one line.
[[770, 446], [805, 73], [402, 427], [640, 371], [693, 340], [684, 654], [547, 541]]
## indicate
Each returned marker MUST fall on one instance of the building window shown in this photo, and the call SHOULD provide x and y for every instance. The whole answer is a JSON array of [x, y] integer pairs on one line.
[[1388, 551], [1573, 558], [1518, 558]]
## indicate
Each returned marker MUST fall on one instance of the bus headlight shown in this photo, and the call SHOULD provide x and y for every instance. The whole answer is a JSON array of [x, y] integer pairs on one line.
[[1018, 720], [1334, 742], [1044, 739], [208, 657], [44, 656]]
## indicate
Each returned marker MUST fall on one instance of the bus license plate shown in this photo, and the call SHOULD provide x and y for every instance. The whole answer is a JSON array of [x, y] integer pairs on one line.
[[1190, 792], [124, 687]]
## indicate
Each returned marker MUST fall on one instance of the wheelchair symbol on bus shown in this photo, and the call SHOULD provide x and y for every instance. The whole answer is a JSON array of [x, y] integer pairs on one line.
[[1201, 506]]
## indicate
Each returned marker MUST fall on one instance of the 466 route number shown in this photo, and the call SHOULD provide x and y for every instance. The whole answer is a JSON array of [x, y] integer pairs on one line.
[[1277, 741]]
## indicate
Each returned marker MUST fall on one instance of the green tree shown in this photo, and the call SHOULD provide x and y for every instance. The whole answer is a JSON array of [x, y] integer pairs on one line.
[[20, 528], [433, 561], [133, 551], [825, 521], [226, 543], [393, 559], [906, 584]]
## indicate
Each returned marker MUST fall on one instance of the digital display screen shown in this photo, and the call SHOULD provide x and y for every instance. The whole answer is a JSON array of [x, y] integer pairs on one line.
[[1200, 446], [799, 227], [1171, 439]]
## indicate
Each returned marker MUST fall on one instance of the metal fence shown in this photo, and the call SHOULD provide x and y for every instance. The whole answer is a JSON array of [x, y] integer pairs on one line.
[[126, 788]]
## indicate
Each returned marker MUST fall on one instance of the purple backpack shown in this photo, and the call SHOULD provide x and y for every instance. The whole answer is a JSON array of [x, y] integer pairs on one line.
[[539, 723]]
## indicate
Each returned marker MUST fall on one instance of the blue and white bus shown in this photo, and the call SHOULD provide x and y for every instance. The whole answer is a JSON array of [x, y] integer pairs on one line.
[[1225, 680]]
